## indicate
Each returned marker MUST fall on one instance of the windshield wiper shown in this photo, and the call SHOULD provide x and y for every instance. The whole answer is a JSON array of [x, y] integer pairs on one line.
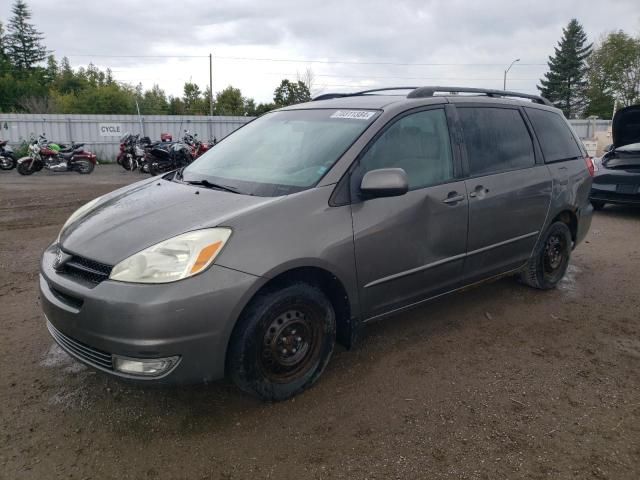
[[216, 186]]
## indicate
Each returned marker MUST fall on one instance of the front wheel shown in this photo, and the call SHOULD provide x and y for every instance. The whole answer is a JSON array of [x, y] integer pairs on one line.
[[24, 168], [550, 259], [282, 342], [597, 204]]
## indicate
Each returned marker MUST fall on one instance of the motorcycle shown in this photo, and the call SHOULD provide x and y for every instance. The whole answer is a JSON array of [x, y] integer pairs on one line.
[[197, 146], [162, 160], [132, 152], [42, 155], [164, 156], [7, 157]]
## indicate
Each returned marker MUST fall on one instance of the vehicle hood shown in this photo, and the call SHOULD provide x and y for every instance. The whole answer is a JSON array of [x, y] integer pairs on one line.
[[625, 128], [131, 219]]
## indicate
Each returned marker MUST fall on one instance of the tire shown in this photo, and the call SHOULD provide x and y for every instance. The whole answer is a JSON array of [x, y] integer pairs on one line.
[[12, 162], [23, 168], [282, 342], [126, 163], [84, 167], [550, 259], [597, 204]]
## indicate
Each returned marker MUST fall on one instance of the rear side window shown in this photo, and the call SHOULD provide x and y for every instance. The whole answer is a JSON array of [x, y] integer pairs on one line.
[[497, 139], [556, 140]]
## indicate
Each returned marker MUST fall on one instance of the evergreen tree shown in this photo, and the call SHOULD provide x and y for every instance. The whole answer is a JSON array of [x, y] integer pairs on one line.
[[565, 83], [23, 43]]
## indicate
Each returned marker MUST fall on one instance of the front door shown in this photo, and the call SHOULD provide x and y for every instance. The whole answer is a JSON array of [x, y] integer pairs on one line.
[[412, 246]]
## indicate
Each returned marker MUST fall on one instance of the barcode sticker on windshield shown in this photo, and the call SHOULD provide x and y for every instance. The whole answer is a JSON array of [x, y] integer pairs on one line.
[[353, 114]]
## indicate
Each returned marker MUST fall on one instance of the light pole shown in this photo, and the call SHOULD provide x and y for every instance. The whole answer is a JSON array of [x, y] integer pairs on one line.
[[504, 85]]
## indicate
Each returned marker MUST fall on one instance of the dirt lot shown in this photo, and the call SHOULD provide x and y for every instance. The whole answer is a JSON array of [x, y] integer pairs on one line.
[[497, 382]]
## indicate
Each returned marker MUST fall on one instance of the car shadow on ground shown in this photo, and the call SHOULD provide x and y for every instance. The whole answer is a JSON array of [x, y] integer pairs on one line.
[[620, 211]]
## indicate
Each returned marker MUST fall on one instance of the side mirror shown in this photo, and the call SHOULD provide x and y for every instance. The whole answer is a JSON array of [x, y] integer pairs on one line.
[[385, 182]]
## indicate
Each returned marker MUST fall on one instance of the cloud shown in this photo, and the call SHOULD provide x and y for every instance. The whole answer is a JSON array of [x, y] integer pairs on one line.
[[491, 33]]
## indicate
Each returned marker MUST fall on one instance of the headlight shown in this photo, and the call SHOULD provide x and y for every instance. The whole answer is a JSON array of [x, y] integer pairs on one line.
[[83, 210], [174, 259]]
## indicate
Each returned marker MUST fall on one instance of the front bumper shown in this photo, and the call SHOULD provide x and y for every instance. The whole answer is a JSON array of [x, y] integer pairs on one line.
[[191, 319]]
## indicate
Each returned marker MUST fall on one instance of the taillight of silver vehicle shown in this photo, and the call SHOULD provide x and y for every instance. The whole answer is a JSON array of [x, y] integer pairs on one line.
[[591, 166]]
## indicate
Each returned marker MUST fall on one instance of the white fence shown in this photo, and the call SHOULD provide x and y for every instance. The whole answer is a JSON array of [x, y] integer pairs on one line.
[[101, 133]]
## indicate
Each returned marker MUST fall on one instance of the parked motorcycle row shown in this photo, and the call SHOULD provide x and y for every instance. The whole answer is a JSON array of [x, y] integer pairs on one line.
[[136, 153], [43, 154], [141, 154]]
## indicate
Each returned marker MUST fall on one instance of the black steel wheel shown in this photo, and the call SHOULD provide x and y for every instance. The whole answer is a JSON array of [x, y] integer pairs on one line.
[[550, 258], [290, 343], [282, 342]]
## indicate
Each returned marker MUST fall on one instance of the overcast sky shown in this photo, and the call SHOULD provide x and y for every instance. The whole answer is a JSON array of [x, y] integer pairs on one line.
[[467, 43]]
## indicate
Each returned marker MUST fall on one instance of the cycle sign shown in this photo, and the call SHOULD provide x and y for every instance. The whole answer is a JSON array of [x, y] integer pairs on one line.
[[110, 129]]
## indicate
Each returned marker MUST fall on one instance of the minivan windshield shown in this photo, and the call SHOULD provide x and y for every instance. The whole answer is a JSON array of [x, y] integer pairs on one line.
[[281, 152]]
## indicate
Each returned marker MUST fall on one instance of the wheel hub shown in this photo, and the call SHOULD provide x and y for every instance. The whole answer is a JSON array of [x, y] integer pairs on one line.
[[554, 253], [287, 346]]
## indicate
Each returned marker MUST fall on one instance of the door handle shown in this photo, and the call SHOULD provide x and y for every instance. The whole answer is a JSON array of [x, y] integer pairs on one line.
[[479, 191], [453, 198]]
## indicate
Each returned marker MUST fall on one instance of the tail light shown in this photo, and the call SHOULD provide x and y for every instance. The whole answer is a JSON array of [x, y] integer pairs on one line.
[[590, 165]]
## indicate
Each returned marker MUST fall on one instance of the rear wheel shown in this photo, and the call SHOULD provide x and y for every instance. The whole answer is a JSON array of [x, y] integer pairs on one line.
[[7, 162], [550, 259], [84, 166], [597, 204], [282, 342]]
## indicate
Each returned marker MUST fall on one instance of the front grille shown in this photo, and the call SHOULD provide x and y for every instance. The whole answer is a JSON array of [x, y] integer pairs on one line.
[[85, 269], [90, 355]]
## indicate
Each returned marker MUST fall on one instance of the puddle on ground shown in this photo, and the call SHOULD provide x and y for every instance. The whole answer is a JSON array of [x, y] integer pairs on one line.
[[568, 284], [56, 357]]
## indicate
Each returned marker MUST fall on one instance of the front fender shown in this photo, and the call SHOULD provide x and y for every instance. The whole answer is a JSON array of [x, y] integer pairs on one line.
[[24, 159]]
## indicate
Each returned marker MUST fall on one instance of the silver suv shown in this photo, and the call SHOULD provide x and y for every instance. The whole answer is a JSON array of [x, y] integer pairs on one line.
[[308, 223]]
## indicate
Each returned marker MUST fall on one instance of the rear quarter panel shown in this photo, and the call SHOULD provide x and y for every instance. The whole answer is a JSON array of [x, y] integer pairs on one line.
[[571, 187]]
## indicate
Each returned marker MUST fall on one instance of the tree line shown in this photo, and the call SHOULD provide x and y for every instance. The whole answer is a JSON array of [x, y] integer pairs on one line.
[[32, 80]]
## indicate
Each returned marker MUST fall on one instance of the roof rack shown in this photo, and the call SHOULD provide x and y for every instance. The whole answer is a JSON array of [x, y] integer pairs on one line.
[[328, 96], [422, 92], [431, 91]]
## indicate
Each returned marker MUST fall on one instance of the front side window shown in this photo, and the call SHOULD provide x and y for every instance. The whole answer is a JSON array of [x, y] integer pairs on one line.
[[497, 140], [282, 152], [419, 144]]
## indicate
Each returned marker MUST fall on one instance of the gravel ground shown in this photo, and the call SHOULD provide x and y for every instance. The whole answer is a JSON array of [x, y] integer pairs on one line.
[[499, 381]]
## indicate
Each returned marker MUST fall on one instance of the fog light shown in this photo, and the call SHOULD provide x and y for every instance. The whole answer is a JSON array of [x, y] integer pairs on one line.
[[148, 367]]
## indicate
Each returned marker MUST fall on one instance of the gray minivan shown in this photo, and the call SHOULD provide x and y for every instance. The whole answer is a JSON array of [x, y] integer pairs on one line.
[[309, 222]]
